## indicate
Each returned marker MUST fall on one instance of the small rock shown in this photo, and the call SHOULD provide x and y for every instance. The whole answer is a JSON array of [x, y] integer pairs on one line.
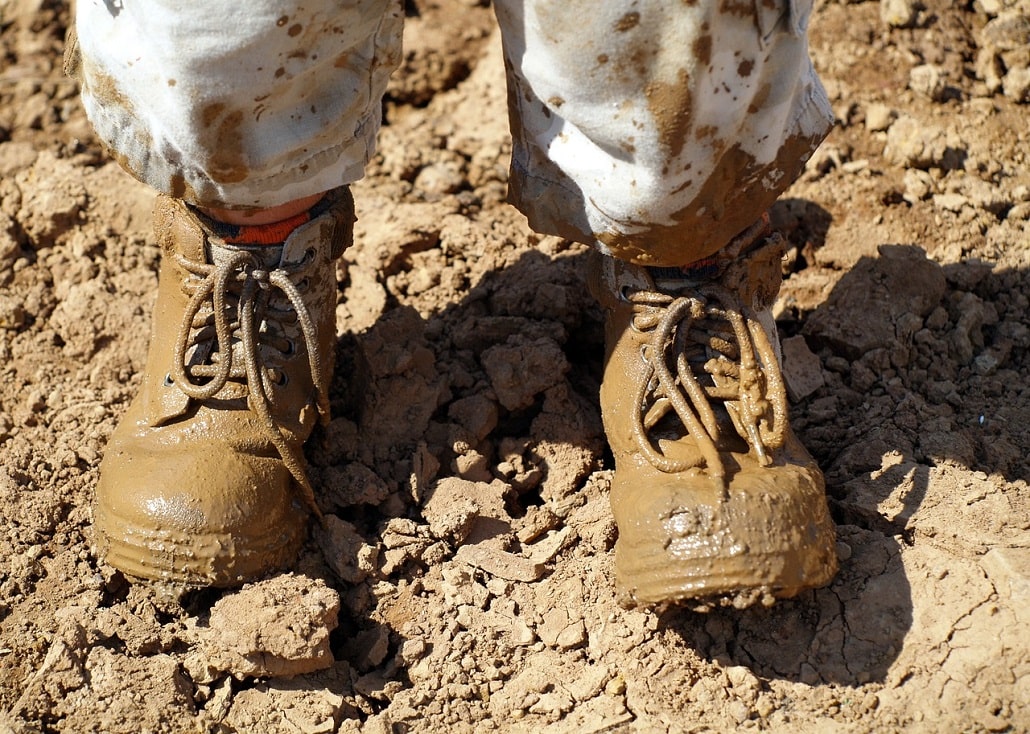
[[345, 550], [369, 648], [950, 202], [522, 635], [743, 679], [990, 7], [918, 185], [477, 414], [500, 563], [929, 81], [1009, 571], [555, 621], [899, 13], [412, 651], [911, 143], [990, 69], [1016, 85], [12, 313], [472, 466], [590, 682], [460, 588], [878, 117]]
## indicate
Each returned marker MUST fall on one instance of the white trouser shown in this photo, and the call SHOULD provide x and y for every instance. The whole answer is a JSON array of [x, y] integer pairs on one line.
[[655, 130]]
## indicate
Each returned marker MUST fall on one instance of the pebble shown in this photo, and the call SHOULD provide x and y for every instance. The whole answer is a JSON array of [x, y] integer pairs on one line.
[[878, 117], [929, 81], [1016, 85], [12, 313], [802, 370], [918, 185], [345, 550], [522, 635], [1009, 571], [500, 563], [899, 13]]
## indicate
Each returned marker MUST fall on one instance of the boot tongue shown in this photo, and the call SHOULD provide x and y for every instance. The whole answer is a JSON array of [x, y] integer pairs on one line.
[[267, 257], [219, 253], [676, 279]]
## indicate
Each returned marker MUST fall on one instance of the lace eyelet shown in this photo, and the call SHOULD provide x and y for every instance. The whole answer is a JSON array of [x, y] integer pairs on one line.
[[280, 378], [168, 381]]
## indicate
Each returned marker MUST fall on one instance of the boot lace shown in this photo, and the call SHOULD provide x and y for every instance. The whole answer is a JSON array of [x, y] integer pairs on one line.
[[235, 307], [706, 350]]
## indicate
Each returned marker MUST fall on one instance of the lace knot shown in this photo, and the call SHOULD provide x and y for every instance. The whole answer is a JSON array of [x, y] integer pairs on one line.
[[707, 355]]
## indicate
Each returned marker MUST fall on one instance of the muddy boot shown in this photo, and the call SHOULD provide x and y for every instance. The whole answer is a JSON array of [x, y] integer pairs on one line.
[[714, 497], [203, 482]]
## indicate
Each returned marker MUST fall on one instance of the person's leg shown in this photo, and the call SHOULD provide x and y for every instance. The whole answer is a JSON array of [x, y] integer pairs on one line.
[[660, 133], [249, 122], [238, 106]]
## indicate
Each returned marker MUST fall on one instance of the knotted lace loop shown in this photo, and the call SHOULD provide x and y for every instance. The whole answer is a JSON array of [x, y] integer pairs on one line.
[[706, 349]]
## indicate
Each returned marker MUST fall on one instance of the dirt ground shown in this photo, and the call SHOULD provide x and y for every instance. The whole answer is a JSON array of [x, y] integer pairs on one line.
[[462, 581]]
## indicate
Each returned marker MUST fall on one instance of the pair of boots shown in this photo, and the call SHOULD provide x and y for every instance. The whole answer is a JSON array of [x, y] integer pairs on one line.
[[204, 483]]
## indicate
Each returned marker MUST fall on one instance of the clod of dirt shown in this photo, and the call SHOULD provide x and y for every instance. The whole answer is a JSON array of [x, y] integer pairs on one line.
[[802, 370], [350, 557], [274, 628], [453, 507], [519, 371], [901, 281]]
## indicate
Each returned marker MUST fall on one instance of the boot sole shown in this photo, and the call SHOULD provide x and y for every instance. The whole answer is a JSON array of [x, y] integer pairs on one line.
[[647, 578], [194, 559]]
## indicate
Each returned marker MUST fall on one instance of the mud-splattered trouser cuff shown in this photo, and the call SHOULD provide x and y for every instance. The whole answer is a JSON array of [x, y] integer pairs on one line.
[[658, 130], [654, 130], [238, 105]]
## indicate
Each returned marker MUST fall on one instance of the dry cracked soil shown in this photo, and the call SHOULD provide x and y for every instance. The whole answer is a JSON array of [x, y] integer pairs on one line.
[[462, 581]]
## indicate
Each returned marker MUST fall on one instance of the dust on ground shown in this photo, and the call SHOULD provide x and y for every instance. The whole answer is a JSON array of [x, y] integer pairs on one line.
[[462, 581]]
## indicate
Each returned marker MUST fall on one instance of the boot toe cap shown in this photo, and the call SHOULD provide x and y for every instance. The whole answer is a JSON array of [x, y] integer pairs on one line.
[[688, 536], [218, 518]]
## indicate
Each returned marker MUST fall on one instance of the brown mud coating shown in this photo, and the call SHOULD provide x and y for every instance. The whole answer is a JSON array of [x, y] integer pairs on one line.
[[204, 482], [715, 499], [730, 201], [908, 379], [226, 164]]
